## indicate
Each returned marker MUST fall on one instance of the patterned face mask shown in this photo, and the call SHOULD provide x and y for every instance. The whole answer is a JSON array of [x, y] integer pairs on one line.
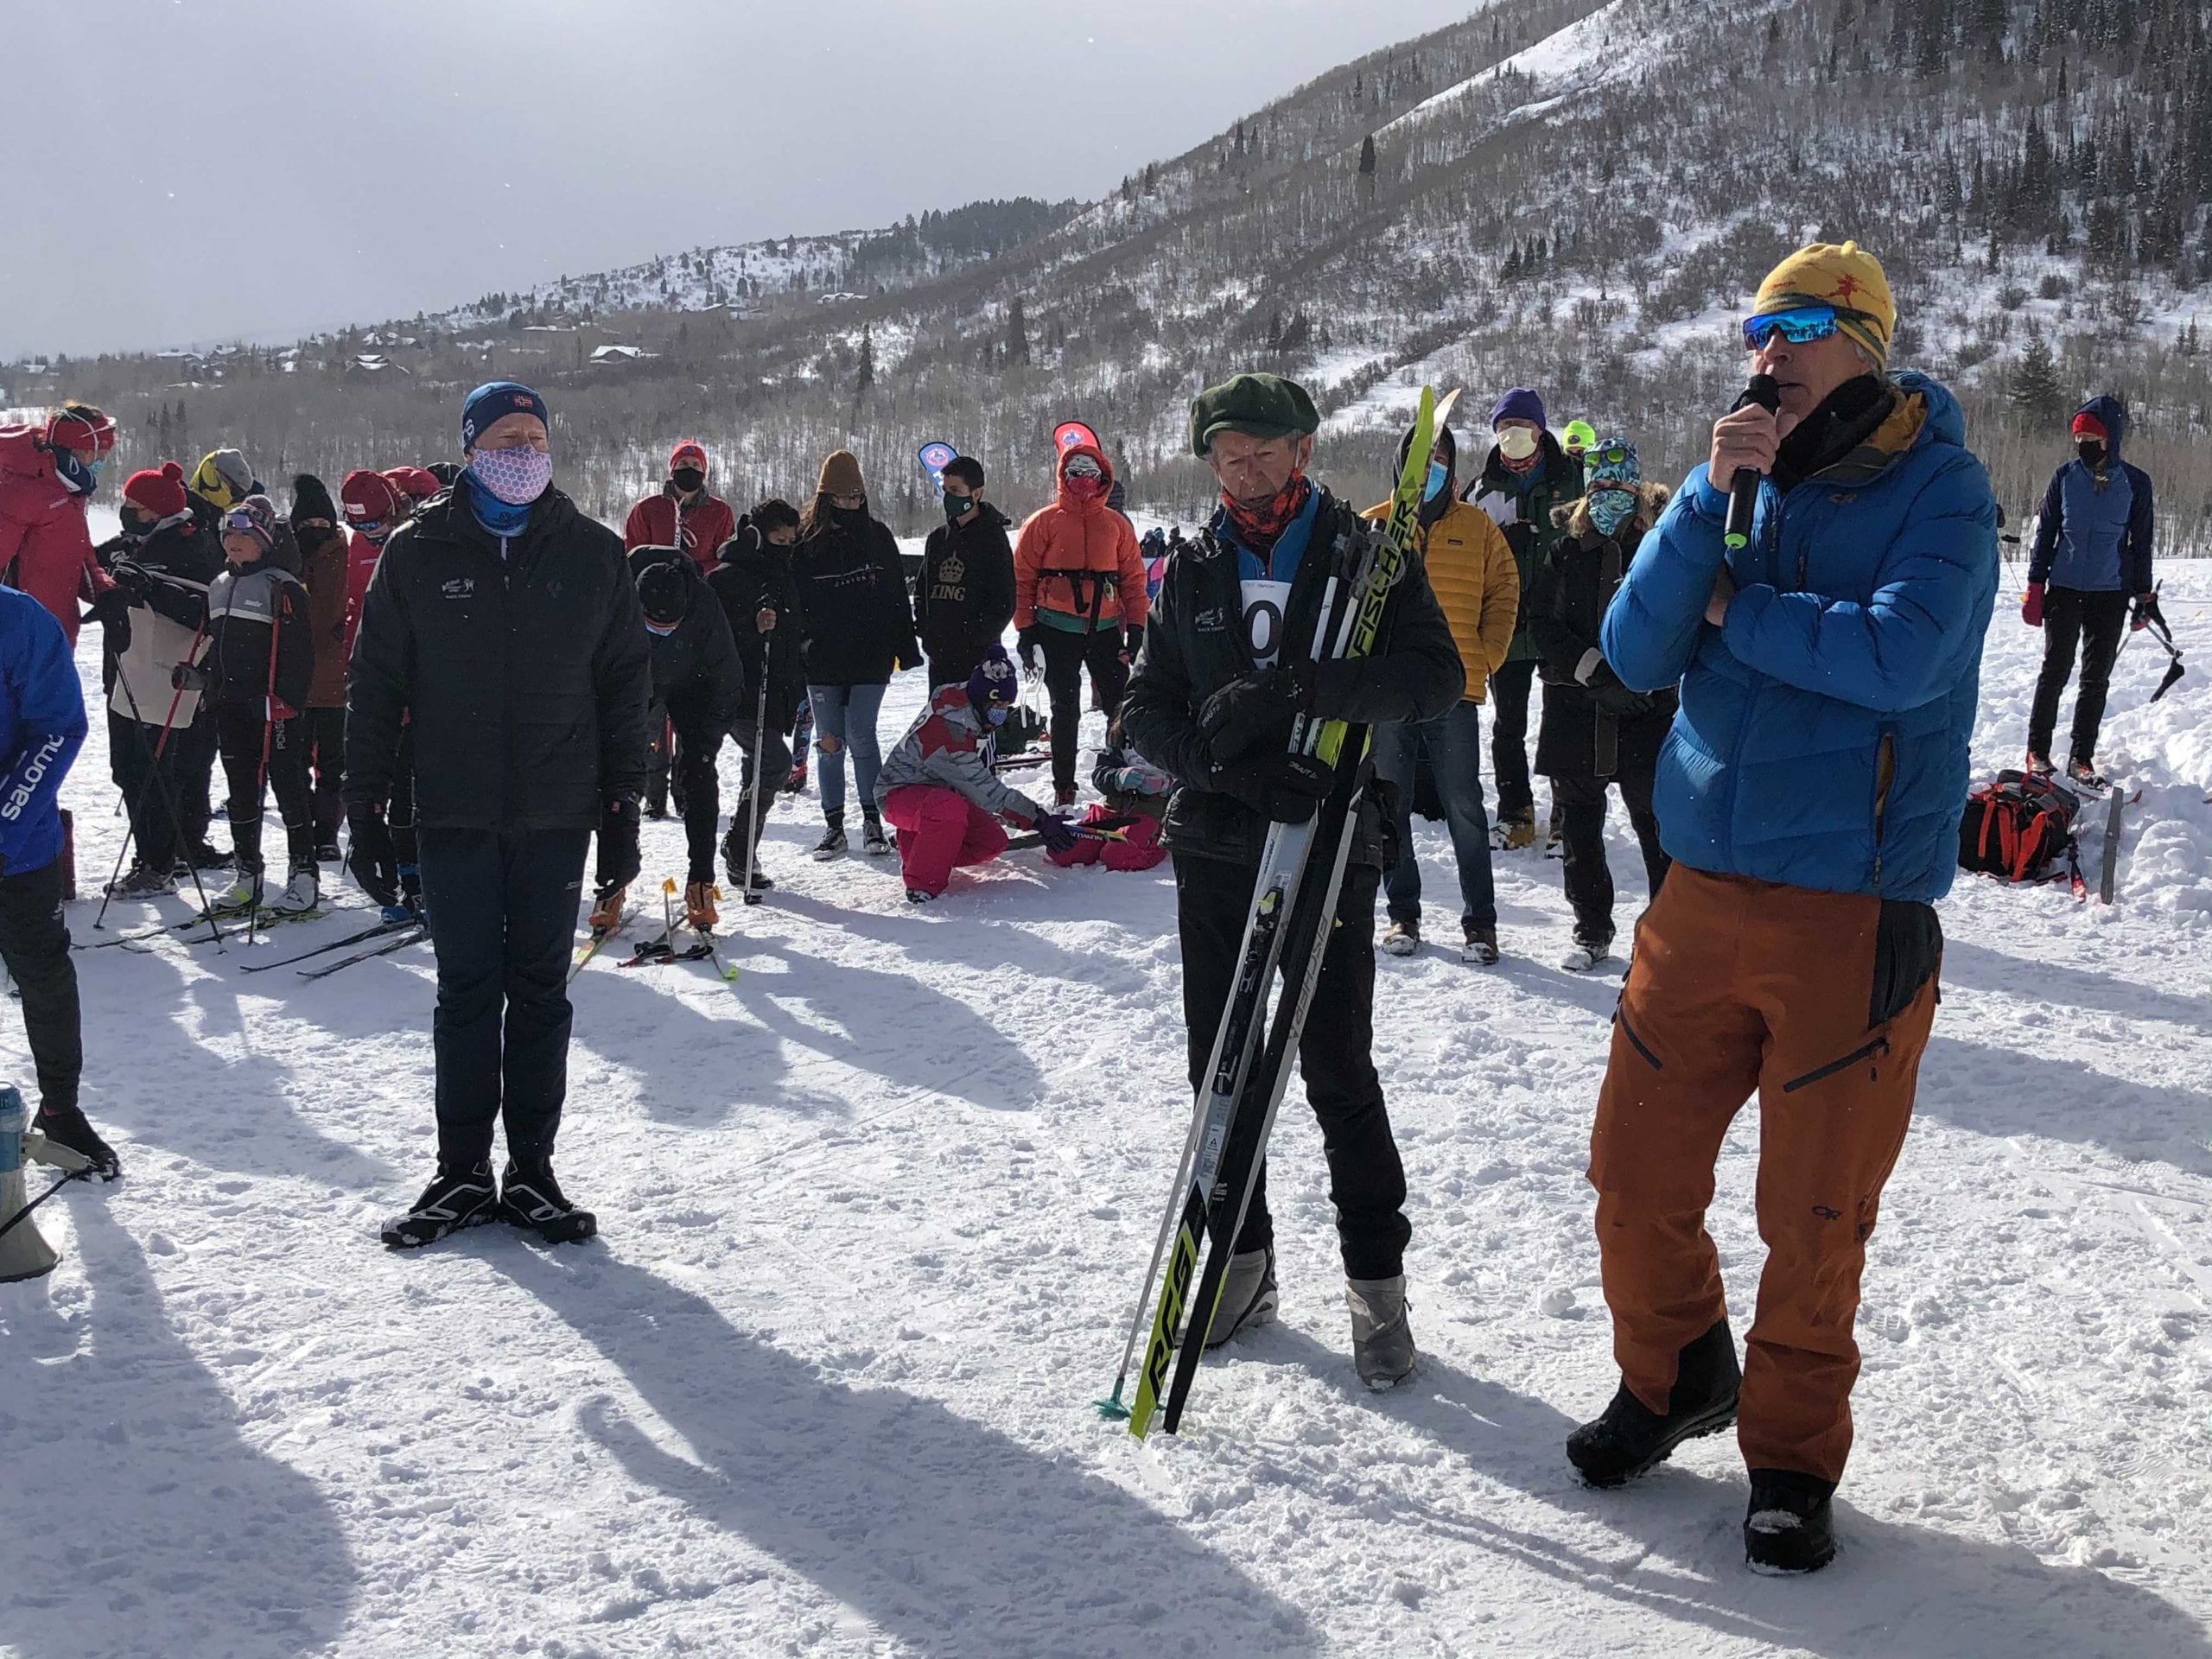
[[517, 476], [1609, 510]]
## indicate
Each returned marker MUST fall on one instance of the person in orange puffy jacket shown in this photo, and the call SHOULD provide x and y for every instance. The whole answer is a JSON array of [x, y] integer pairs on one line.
[[1079, 598], [47, 473]]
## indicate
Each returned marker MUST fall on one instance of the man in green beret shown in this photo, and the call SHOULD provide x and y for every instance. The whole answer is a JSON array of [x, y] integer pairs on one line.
[[1228, 664]]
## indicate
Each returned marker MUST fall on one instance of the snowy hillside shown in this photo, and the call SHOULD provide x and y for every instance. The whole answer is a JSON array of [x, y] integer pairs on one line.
[[873, 1219]]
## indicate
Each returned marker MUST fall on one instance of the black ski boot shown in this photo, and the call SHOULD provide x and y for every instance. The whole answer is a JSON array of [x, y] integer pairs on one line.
[[1790, 1527], [1629, 1439], [530, 1197], [454, 1199], [66, 1126]]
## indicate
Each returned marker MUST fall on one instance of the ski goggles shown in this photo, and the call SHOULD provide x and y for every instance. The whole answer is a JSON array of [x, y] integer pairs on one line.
[[1084, 466], [1800, 325], [1610, 454]]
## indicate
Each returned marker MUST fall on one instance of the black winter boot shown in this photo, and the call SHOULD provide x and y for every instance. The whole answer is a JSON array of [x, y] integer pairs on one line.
[[66, 1126], [455, 1200], [1790, 1526], [1628, 1439], [532, 1197]]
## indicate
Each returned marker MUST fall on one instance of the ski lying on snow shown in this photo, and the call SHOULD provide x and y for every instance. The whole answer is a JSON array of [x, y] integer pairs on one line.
[[378, 932], [2108, 875], [417, 932]]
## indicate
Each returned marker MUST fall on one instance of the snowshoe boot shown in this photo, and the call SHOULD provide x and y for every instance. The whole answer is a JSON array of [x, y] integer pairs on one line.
[[2038, 765], [917, 896], [1381, 1336], [327, 852], [1511, 835], [2083, 775], [1248, 1296], [1586, 956], [1790, 1526], [607, 911], [530, 1197], [1480, 946], [66, 1126], [1628, 1439], [832, 844], [874, 842], [1401, 939], [699, 912], [301, 894], [454, 1199], [142, 883]]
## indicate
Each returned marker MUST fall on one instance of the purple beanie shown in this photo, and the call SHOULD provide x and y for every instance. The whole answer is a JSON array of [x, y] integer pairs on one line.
[[1519, 404], [992, 684]]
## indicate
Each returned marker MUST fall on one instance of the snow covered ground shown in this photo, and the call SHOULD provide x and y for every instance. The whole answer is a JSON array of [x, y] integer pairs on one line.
[[874, 1220]]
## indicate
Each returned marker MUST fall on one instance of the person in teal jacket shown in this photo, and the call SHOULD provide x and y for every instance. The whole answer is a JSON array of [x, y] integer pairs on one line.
[[1809, 793]]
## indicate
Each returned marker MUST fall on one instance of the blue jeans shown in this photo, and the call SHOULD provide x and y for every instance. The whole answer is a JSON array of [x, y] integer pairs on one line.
[[1454, 742], [844, 718]]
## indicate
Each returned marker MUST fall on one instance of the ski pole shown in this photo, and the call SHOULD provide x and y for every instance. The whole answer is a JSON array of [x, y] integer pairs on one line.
[[107, 895], [154, 774], [261, 779], [751, 895]]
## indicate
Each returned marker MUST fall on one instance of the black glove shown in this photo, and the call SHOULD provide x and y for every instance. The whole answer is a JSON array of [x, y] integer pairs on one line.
[[619, 858], [1283, 787], [1060, 835], [1132, 641], [1029, 642], [112, 610], [375, 862], [1255, 711], [130, 576], [190, 677]]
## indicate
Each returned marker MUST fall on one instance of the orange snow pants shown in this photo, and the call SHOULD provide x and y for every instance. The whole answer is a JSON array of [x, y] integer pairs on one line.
[[1821, 1004]]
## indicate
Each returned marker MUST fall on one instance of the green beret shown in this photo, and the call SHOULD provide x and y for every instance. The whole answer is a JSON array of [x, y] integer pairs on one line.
[[1258, 405]]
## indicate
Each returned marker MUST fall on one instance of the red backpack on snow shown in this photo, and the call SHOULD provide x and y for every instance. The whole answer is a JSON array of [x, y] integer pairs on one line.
[[2017, 826]]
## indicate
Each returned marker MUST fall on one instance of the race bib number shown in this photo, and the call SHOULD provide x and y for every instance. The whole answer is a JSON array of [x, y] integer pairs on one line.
[[1266, 605]]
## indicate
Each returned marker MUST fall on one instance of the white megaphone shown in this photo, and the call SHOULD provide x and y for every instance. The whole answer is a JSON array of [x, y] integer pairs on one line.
[[25, 1253]]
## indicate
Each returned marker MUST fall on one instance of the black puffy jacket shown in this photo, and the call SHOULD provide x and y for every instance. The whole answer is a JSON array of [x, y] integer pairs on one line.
[[860, 622], [751, 575], [527, 676], [1195, 643], [696, 675]]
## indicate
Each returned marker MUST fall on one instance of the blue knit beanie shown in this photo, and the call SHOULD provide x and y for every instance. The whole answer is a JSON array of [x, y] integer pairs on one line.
[[494, 401], [1519, 404]]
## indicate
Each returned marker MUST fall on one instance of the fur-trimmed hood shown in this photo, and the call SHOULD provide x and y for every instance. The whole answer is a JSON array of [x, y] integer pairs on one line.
[[1651, 500]]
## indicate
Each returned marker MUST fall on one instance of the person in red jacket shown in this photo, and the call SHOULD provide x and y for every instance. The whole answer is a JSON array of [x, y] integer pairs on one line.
[[682, 513], [412, 486], [1079, 598], [48, 475], [373, 509]]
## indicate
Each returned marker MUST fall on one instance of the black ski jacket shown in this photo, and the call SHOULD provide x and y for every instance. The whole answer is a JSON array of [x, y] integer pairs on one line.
[[751, 575], [859, 623], [965, 598], [521, 661], [696, 675], [260, 639], [1196, 642]]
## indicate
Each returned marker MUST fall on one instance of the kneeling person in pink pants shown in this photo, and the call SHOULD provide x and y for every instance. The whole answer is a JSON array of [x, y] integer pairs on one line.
[[938, 786]]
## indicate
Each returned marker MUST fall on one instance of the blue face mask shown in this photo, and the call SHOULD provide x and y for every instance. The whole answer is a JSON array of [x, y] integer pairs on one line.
[[996, 714], [1609, 510], [663, 631], [1438, 476], [81, 476]]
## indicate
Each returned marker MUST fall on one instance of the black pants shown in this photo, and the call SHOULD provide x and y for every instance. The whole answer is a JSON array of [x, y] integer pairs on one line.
[[1367, 1183], [767, 765], [2095, 622], [240, 729], [663, 747], [1581, 803], [503, 915], [195, 748], [325, 730], [698, 793], [1508, 740], [953, 667], [34, 943], [145, 770], [1066, 655]]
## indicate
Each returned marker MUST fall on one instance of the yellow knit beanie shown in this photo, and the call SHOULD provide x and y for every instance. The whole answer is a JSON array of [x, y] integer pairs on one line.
[[1847, 277]]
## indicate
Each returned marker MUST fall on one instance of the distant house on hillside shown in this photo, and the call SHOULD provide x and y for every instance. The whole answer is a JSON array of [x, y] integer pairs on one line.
[[621, 354]]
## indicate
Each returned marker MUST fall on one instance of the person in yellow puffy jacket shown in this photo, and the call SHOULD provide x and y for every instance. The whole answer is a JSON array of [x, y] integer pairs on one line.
[[1471, 569]]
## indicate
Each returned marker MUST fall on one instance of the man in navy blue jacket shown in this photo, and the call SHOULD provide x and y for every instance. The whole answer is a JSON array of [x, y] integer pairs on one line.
[[1809, 794], [2092, 557], [41, 729]]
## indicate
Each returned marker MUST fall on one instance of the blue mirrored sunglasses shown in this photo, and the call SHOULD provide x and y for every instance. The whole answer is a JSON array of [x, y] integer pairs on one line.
[[1798, 325]]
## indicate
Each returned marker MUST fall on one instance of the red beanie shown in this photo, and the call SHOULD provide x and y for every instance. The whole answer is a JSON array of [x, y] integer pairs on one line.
[[416, 483], [692, 450], [161, 494], [368, 497], [2087, 425], [81, 427]]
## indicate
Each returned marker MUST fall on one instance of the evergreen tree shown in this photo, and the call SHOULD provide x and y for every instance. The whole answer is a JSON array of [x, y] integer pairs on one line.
[[2034, 388], [1017, 333]]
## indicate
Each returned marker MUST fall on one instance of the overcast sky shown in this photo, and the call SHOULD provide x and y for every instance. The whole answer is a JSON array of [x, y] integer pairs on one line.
[[189, 170]]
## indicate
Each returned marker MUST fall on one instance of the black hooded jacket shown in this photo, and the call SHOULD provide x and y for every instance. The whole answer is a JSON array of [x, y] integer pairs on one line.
[[1195, 643], [752, 574], [1592, 726], [696, 675], [527, 676], [965, 598], [852, 585]]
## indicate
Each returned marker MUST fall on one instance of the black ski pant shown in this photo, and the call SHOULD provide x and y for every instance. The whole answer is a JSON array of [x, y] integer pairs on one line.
[[1367, 1182], [2094, 623], [1508, 740], [768, 766], [663, 748], [325, 730], [145, 770], [241, 731], [195, 748], [503, 916], [1581, 799], [1066, 655], [698, 789], [34, 943]]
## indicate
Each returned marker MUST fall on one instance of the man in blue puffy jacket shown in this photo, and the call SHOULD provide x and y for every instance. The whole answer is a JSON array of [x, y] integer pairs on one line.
[[41, 729], [1809, 794], [2092, 557]]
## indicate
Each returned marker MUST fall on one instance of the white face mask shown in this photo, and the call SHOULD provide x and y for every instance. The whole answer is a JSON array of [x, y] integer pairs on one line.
[[1517, 443]]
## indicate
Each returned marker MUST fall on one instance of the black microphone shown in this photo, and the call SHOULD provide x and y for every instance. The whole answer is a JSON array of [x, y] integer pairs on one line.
[[1743, 488]]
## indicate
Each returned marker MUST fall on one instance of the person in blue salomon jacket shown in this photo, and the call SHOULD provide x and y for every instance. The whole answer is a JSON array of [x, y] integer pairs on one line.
[[1809, 793], [41, 729], [2092, 558]]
